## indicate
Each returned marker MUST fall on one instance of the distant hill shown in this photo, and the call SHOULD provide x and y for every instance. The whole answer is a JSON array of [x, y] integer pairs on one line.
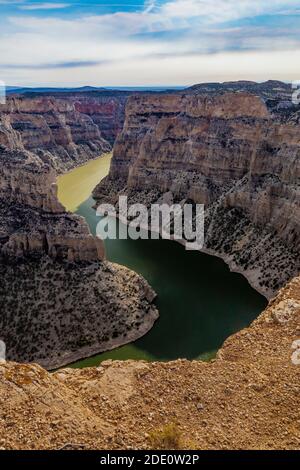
[[22, 90], [85, 89], [269, 89]]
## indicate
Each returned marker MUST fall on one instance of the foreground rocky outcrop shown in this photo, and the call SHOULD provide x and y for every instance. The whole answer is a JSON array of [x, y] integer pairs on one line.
[[248, 398], [237, 152], [55, 313]]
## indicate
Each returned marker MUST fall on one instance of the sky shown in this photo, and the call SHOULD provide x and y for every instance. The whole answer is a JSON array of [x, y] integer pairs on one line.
[[148, 42]]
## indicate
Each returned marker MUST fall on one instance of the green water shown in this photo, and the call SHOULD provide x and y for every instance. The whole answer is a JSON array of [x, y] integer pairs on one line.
[[200, 301]]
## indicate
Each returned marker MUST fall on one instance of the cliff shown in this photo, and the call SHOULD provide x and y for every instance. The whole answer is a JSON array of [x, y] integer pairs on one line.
[[248, 398], [106, 111], [33, 222], [59, 302], [235, 152], [59, 299], [53, 128], [70, 127]]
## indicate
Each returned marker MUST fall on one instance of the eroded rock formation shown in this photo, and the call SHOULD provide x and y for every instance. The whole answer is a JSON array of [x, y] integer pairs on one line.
[[248, 398], [59, 299], [53, 128], [33, 222], [235, 152]]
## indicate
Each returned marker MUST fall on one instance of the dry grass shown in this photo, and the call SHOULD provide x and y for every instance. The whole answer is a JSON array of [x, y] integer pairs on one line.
[[167, 438]]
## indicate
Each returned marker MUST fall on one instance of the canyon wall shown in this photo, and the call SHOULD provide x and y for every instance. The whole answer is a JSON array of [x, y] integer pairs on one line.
[[41, 136], [51, 127], [107, 111], [59, 299], [33, 222], [235, 152]]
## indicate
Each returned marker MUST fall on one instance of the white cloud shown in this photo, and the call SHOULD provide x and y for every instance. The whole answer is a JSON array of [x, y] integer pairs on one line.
[[44, 6], [223, 10], [149, 6], [147, 46], [186, 70]]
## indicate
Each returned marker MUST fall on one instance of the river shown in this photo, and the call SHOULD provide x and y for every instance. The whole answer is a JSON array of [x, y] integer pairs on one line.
[[200, 301]]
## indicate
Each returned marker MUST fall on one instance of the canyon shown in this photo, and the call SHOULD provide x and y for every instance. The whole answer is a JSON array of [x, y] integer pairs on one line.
[[238, 153], [60, 299], [235, 148]]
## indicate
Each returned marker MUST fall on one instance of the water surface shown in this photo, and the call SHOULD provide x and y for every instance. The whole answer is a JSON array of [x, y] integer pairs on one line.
[[200, 301]]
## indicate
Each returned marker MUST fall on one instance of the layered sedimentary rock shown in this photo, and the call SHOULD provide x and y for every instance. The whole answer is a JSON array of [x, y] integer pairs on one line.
[[59, 299], [33, 222], [53, 128], [240, 158], [106, 110], [248, 398], [69, 127], [237, 153]]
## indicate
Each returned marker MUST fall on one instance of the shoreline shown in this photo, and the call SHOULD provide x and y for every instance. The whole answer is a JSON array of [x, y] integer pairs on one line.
[[67, 359], [76, 167], [70, 358], [249, 276]]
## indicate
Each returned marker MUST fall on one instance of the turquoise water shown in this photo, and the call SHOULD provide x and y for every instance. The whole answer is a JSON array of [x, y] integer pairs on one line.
[[200, 301]]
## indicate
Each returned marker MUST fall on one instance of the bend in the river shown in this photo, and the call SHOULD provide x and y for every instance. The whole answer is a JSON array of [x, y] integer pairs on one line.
[[200, 301]]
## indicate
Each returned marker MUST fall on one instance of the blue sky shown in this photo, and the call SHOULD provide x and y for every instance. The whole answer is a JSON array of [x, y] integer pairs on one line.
[[137, 42]]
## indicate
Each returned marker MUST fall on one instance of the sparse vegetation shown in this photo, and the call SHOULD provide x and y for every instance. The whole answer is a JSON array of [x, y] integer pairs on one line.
[[167, 438]]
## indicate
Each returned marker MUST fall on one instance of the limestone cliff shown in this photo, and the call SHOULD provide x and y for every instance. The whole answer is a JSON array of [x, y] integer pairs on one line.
[[236, 153], [233, 151], [33, 222], [248, 398], [59, 299], [107, 110], [53, 128]]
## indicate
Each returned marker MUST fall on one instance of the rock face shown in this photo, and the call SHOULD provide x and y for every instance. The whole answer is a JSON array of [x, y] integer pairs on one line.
[[53, 127], [60, 302], [55, 313], [33, 222], [59, 299], [106, 111], [237, 153], [248, 398]]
